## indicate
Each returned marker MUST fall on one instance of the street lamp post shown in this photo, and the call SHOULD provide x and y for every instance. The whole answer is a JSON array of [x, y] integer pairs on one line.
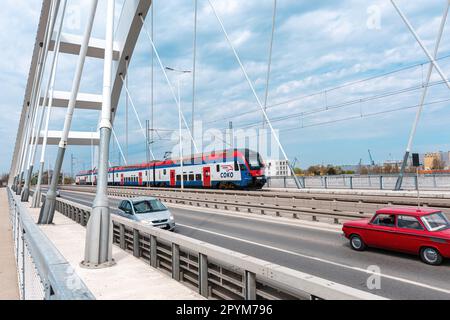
[[180, 73]]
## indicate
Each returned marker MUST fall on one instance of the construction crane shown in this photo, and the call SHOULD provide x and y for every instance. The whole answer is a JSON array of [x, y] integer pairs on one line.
[[372, 163]]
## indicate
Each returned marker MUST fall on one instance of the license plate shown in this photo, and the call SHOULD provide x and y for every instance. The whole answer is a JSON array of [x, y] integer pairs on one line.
[[162, 226]]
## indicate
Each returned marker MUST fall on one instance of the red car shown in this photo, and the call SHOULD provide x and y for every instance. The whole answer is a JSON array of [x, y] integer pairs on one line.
[[423, 232]]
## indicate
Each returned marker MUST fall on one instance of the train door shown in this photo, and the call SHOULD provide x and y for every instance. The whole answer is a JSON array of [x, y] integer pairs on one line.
[[122, 179], [207, 177], [172, 178], [140, 178]]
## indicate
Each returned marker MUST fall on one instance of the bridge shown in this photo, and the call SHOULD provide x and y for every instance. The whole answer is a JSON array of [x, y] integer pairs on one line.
[[67, 241]]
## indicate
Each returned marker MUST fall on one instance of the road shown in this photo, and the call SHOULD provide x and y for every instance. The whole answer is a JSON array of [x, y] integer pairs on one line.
[[317, 251]]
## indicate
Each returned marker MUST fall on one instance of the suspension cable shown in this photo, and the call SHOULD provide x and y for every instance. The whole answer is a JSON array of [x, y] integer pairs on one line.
[[135, 111], [118, 145], [167, 80]]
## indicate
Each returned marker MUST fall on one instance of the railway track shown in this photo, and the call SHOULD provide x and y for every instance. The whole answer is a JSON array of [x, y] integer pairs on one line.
[[327, 207]]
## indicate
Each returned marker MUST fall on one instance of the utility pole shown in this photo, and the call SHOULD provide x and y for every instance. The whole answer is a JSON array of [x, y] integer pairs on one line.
[[230, 126], [71, 165], [98, 249], [180, 115], [126, 112], [194, 67], [147, 156]]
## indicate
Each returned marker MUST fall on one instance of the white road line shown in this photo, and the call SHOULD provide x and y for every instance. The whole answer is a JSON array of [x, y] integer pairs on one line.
[[298, 224], [418, 284], [423, 285], [301, 224]]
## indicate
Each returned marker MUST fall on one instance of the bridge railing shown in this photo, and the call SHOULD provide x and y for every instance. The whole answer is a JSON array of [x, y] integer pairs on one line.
[[374, 182], [43, 273], [215, 272], [330, 208]]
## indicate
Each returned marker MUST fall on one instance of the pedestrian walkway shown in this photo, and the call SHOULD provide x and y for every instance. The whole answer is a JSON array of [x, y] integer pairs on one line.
[[131, 278], [9, 289]]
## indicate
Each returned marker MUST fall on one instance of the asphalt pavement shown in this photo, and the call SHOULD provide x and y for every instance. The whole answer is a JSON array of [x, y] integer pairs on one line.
[[317, 251]]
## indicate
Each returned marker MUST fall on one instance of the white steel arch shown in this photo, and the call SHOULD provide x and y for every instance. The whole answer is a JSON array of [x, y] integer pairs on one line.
[[125, 37]]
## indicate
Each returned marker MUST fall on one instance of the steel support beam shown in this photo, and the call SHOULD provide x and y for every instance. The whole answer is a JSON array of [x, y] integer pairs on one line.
[[85, 101], [48, 208], [398, 184], [26, 191], [252, 88], [71, 44], [98, 248], [21, 132]]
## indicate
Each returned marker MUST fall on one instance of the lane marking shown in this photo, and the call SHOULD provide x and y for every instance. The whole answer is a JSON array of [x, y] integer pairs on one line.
[[296, 224], [415, 283], [411, 282]]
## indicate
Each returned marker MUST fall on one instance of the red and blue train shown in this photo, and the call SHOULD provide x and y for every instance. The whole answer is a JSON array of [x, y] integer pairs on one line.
[[226, 169]]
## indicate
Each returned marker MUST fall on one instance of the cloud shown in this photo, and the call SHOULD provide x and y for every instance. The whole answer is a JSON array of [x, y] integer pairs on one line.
[[322, 51]]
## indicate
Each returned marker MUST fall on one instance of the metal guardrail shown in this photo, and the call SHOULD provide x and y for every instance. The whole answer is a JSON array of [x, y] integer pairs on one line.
[[217, 273], [43, 273], [375, 182], [334, 208]]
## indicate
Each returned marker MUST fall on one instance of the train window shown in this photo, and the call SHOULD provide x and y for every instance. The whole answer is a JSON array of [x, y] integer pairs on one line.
[[191, 177], [236, 166], [185, 177], [178, 177], [164, 172], [117, 175], [198, 177], [218, 168]]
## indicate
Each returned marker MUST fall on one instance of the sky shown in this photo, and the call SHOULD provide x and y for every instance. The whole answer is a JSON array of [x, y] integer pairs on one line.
[[346, 76]]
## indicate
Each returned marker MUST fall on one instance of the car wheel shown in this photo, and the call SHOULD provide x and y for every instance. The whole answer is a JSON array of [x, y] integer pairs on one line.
[[357, 243], [431, 256]]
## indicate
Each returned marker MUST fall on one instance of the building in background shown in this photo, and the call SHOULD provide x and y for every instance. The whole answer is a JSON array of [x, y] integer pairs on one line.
[[277, 168], [433, 161], [392, 163]]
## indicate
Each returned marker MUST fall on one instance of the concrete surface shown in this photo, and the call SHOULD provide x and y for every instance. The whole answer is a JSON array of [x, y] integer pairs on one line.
[[129, 279], [308, 247], [369, 192], [9, 288]]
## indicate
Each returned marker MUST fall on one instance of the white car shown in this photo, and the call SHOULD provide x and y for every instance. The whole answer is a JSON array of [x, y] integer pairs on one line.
[[148, 210]]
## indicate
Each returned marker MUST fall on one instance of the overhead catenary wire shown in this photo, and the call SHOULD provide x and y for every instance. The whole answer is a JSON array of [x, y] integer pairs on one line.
[[331, 107], [167, 79], [353, 117], [135, 111], [274, 134], [269, 64], [328, 90]]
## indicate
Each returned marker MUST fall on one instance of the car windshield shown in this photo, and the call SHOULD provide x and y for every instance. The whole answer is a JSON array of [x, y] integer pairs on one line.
[[436, 221], [148, 206]]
